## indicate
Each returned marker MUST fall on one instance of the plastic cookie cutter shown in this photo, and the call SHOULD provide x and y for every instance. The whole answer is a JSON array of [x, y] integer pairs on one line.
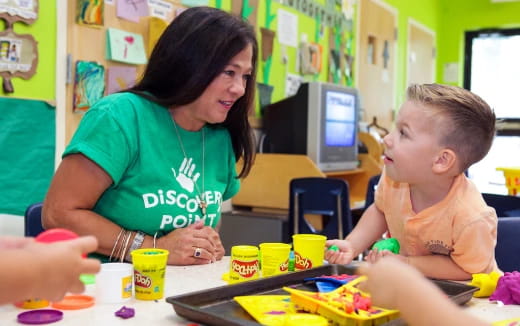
[[486, 282], [328, 283], [390, 244]]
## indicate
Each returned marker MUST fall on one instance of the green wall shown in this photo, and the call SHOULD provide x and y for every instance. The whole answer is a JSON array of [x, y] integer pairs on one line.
[[42, 84], [459, 16], [426, 12]]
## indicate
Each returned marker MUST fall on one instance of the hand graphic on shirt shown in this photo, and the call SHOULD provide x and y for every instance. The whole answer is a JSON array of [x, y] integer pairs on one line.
[[184, 177]]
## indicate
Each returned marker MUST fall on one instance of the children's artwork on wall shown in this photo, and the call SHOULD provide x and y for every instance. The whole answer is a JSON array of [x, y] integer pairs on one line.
[[119, 78], [194, 3], [287, 28], [89, 84], [292, 84], [310, 58], [18, 57], [334, 66], [245, 9], [267, 42], [161, 9], [264, 95], [132, 10], [90, 12], [125, 47], [19, 10], [156, 27]]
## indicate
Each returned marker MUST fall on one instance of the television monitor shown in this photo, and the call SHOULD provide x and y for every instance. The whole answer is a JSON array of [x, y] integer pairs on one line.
[[320, 120]]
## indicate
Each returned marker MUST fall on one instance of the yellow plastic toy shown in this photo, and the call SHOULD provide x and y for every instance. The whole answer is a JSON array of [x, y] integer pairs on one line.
[[486, 282], [345, 306]]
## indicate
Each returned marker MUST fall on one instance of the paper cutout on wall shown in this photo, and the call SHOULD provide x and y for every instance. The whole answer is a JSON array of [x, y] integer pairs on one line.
[[17, 10], [161, 9], [155, 29], [267, 42], [310, 58], [132, 10], [89, 84], [194, 3], [287, 28], [18, 57], [125, 47], [90, 12], [119, 78], [292, 84], [264, 95]]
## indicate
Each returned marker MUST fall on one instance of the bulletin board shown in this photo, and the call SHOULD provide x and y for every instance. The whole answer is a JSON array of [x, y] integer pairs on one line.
[[87, 43]]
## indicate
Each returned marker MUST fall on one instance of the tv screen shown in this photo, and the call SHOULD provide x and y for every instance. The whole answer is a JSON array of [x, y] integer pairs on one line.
[[340, 123], [320, 121]]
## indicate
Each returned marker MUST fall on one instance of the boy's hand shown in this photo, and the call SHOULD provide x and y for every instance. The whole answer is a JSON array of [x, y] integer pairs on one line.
[[375, 255], [344, 255]]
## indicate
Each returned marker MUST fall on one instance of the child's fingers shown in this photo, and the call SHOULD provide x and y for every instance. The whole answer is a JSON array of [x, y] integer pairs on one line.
[[86, 244], [91, 266]]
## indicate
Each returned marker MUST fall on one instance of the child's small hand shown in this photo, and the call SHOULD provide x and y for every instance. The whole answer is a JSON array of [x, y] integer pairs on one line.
[[375, 255], [339, 252]]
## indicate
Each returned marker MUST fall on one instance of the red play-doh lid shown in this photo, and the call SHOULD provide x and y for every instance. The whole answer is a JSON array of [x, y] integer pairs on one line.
[[53, 235]]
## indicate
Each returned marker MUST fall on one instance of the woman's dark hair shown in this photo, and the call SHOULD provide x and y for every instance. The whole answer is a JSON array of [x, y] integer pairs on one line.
[[192, 51]]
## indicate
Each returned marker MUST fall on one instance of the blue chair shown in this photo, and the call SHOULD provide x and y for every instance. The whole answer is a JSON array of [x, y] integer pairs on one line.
[[327, 197], [508, 244], [371, 189], [504, 205], [33, 220]]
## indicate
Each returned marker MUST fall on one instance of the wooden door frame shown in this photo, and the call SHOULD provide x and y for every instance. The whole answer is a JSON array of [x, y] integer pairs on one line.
[[427, 30], [395, 12]]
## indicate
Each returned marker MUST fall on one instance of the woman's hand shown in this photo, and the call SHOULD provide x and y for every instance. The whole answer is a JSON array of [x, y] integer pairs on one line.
[[195, 244]]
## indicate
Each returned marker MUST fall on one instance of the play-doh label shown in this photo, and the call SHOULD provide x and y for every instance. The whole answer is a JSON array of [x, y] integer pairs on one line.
[[245, 269], [301, 262]]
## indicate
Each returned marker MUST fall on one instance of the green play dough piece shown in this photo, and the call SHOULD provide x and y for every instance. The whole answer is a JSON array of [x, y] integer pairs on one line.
[[88, 278], [334, 248], [389, 244]]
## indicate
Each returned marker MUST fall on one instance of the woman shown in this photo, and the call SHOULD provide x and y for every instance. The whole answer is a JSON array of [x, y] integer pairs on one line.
[[151, 166]]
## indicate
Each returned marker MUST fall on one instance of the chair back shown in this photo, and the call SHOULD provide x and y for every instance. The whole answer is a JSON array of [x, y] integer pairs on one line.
[[504, 205], [33, 220], [371, 189], [327, 197], [508, 244]]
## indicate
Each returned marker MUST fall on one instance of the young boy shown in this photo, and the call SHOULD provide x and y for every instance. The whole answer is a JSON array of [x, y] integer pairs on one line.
[[423, 199]]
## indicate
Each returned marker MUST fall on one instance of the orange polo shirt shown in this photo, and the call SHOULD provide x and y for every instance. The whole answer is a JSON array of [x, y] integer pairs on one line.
[[461, 226]]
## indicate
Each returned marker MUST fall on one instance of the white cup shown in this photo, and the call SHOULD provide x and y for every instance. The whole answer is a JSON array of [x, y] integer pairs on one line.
[[114, 283]]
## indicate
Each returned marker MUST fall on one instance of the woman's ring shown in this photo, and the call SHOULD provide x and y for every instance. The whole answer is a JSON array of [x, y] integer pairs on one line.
[[197, 253]]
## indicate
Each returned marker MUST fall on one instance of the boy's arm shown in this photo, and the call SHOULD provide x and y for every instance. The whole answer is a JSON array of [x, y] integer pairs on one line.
[[370, 227], [438, 266]]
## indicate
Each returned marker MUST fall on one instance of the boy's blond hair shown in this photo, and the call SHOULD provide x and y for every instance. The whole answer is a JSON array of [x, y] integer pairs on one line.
[[467, 122]]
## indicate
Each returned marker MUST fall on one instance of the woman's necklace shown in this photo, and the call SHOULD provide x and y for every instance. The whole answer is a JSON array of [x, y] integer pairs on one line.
[[202, 202]]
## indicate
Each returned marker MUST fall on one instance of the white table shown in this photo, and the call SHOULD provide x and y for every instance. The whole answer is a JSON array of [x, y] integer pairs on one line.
[[184, 279]]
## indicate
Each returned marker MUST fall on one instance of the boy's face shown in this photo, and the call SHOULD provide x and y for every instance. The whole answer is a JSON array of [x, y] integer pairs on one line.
[[412, 146]]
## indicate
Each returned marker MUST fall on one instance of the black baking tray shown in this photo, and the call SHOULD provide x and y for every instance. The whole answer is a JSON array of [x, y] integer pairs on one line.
[[217, 307]]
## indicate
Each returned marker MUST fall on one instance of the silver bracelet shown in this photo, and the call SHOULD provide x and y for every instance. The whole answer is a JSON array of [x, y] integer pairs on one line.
[[154, 238], [136, 244], [115, 244], [123, 253]]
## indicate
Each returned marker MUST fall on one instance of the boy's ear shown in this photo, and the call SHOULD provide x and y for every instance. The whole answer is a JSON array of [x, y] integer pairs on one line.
[[445, 160]]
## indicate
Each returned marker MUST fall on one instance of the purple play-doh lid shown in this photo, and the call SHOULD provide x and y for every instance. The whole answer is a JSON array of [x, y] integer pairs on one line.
[[40, 316]]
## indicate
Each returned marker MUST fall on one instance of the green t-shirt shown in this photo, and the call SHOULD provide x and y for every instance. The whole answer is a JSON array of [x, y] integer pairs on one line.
[[153, 190]]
